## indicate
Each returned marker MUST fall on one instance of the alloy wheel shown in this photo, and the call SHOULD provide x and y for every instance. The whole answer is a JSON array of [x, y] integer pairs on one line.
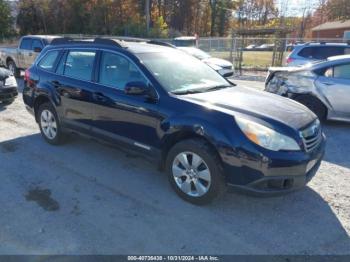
[[48, 124], [191, 174]]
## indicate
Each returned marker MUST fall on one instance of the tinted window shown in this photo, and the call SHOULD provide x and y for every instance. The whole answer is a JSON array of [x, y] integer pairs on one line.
[[26, 44], [321, 52], [116, 71], [48, 62], [79, 64], [37, 44], [342, 71]]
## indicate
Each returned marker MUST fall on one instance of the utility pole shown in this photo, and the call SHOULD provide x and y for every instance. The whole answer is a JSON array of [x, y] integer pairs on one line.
[[147, 9]]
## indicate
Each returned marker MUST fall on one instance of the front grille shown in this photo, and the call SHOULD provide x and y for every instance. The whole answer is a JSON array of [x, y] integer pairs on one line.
[[312, 136]]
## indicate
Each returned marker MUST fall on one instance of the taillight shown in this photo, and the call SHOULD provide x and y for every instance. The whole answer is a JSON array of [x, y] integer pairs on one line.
[[26, 75], [289, 60]]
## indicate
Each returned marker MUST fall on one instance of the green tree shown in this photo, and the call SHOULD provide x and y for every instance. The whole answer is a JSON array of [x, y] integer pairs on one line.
[[6, 19]]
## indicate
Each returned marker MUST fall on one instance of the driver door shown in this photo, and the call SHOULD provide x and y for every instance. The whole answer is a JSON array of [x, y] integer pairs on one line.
[[131, 119]]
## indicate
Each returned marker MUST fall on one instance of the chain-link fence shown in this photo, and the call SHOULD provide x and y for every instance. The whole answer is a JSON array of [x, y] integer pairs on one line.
[[251, 54]]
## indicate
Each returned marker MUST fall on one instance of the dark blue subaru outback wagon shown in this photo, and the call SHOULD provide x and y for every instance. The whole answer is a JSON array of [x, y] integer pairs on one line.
[[203, 130]]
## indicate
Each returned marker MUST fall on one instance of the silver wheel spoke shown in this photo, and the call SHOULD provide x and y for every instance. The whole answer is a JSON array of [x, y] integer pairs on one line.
[[186, 186], [196, 161], [177, 171], [200, 188], [183, 160], [204, 174]]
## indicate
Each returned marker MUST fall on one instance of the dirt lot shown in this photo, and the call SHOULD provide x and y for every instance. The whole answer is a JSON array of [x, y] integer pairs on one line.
[[87, 198]]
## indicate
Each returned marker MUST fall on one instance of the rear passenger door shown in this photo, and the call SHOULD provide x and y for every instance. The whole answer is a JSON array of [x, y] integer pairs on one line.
[[74, 86], [335, 85]]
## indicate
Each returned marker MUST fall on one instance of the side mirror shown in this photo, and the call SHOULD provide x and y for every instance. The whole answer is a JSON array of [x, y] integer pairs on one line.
[[136, 88], [37, 49]]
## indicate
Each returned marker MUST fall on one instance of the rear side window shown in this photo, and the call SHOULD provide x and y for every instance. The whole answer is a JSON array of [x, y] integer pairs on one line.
[[79, 64], [321, 52], [342, 71], [26, 44], [116, 71], [37, 44], [48, 61]]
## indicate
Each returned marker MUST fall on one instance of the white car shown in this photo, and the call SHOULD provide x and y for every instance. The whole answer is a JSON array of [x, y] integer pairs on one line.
[[223, 67]]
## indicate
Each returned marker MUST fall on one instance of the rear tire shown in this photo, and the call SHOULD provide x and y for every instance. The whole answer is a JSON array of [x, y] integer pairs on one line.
[[49, 124], [200, 180], [11, 65], [314, 105]]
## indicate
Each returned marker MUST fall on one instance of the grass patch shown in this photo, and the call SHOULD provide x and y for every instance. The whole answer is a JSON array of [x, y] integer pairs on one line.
[[251, 59]]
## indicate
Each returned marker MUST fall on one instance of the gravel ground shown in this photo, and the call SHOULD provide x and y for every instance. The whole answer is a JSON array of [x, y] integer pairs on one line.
[[88, 198]]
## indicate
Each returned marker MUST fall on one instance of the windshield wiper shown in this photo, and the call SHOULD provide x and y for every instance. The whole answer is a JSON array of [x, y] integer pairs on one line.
[[199, 90], [217, 88], [186, 92]]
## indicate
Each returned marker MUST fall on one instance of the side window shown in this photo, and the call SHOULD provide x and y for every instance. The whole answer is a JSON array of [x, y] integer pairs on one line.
[[48, 62], [347, 51], [342, 71], [26, 44], [37, 44], [306, 52], [116, 71], [79, 64]]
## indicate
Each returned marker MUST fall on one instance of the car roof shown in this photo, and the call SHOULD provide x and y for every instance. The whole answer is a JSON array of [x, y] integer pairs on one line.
[[131, 46], [338, 58]]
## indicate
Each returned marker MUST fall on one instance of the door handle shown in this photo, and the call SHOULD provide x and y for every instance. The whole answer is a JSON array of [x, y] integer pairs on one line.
[[99, 97], [56, 83], [30, 54]]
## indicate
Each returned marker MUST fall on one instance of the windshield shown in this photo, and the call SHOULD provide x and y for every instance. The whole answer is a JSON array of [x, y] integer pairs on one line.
[[178, 72], [197, 53]]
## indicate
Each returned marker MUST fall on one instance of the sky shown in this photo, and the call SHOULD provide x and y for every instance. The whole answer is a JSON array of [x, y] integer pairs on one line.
[[296, 7]]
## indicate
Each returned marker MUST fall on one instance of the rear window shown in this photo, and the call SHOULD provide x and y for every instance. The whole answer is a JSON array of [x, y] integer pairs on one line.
[[26, 44], [79, 64], [37, 44], [322, 52], [48, 61]]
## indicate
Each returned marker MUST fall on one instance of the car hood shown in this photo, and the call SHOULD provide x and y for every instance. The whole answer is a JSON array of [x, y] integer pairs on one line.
[[255, 103], [217, 61]]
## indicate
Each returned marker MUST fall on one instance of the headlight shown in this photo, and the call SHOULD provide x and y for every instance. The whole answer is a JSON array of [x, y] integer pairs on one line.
[[10, 81], [266, 137]]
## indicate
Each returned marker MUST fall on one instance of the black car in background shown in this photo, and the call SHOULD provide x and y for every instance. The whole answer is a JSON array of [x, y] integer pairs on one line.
[[8, 87], [205, 132]]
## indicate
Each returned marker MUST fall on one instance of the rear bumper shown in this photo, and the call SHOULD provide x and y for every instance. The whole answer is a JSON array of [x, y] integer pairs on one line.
[[8, 93]]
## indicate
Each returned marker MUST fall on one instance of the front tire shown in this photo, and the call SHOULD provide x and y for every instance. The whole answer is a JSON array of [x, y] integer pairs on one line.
[[195, 172], [49, 124]]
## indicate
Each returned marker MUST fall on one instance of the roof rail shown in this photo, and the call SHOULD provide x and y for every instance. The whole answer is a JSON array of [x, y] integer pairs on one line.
[[157, 42], [101, 41]]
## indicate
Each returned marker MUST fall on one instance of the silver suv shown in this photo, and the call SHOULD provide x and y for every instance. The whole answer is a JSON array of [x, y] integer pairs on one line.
[[313, 52], [323, 87]]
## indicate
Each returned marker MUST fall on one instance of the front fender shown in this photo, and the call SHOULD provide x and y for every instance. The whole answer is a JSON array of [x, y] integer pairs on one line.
[[194, 127]]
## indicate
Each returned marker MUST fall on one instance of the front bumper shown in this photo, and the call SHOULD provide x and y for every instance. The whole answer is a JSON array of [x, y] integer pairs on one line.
[[8, 93], [276, 173]]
